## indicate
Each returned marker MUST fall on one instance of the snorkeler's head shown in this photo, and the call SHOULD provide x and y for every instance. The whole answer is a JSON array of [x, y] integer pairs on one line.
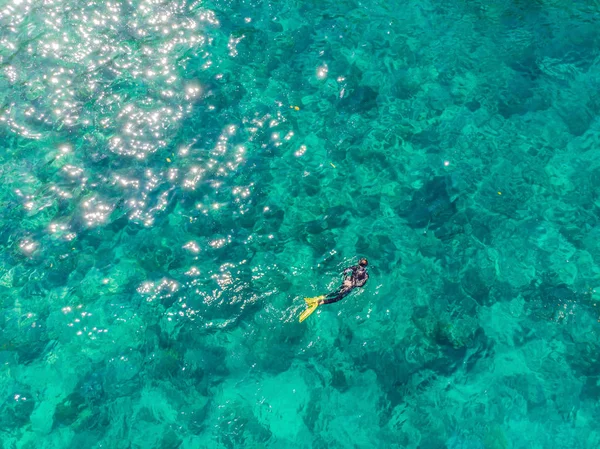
[[363, 262]]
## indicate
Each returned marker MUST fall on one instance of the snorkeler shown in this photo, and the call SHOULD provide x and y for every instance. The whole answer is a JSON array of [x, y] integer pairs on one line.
[[355, 276]]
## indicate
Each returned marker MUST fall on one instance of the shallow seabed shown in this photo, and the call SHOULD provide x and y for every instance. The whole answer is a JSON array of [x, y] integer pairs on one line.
[[178, 175]]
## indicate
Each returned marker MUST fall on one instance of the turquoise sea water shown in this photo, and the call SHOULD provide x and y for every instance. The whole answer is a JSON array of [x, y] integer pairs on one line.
[[178, 175]]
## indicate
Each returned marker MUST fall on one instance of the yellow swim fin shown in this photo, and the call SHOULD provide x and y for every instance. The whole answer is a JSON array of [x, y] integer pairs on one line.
[[312, 304]]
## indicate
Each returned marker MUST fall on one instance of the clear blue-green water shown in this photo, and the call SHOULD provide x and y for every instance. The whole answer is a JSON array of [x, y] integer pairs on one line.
[[178, 175]]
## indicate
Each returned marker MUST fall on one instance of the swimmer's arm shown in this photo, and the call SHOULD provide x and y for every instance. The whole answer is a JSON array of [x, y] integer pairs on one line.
[[363, 281], [350, 270]]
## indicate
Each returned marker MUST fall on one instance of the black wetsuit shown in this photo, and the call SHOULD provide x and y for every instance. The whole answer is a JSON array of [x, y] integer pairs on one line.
[[358, 277]]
